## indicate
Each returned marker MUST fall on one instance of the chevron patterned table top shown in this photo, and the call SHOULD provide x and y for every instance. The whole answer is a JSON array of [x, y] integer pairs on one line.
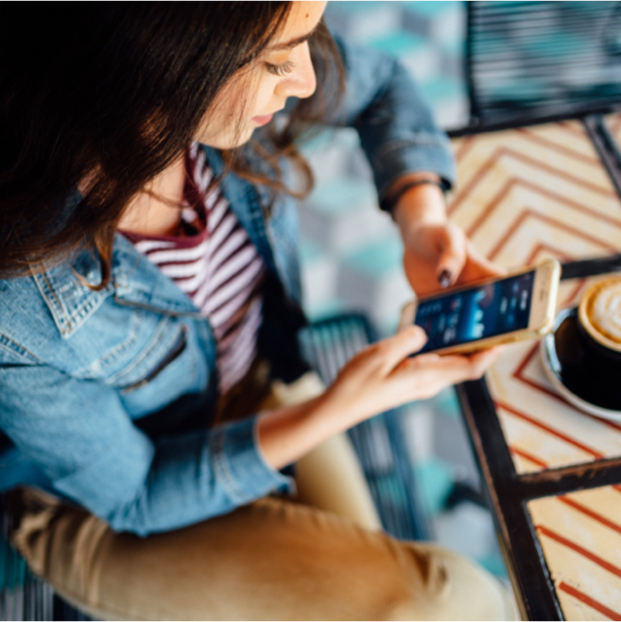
[[580, 535], [525, 195]]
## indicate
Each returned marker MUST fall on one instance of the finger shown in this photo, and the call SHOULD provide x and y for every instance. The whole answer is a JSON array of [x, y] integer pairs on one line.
[[454, 368], [398, 347], [483, 359], [473, 366], [424, 377], [452, 257], [485, 266]]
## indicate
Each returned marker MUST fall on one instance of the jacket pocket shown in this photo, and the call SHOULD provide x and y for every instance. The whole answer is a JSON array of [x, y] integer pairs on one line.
[[157, 342], [173, 353]]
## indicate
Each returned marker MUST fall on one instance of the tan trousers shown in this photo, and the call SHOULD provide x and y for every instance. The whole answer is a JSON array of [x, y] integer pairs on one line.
[[275, 559]]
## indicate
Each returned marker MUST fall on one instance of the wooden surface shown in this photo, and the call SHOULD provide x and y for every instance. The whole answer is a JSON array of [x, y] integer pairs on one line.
[[528, 194], [580, 534]]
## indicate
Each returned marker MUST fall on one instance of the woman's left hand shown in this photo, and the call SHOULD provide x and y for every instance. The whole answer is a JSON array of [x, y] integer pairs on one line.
[[440, 255], [437, 253]]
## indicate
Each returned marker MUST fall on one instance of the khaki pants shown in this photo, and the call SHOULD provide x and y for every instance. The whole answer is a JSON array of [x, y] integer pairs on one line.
[[276, 559]]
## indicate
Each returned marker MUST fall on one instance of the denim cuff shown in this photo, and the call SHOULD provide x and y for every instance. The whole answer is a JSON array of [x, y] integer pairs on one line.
[[420, 154], [239, 465]]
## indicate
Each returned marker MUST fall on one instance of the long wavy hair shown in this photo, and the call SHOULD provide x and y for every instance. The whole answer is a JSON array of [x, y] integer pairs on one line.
[[113, 92]]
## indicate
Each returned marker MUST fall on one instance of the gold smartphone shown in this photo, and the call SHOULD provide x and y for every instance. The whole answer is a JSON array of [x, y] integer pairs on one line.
[[520, 305]]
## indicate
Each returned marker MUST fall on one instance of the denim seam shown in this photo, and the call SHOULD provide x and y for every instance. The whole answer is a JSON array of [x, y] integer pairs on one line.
[[53, 301], [401, 144], [170, 307], [222, 469], [111, 356], [16, 348]]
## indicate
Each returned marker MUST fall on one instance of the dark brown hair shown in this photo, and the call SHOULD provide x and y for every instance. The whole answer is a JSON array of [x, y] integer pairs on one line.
[[112, 93]]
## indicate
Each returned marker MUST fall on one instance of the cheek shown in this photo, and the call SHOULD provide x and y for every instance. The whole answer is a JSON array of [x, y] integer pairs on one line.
[[223, 116], [228, 120], [263, 96]]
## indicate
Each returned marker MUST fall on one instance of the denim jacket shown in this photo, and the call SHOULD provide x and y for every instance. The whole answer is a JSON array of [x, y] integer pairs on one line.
[[105, 395]]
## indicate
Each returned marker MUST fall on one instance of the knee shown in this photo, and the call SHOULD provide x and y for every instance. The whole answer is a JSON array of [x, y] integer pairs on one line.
[[447, 586]]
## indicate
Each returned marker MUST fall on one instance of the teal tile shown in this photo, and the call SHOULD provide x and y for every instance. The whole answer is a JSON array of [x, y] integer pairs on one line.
[[378, 258], [309, 251], [514, 5], [355, 8], [453, 46], [430, 9], [342, 195], [12, 568], [442, 88], [318, 142], [326, 309], [587, 8], [399, 43], [434, 478], [494, 564]]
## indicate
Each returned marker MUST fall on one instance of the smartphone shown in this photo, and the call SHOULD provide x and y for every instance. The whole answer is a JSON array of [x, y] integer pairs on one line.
[[517, 306]]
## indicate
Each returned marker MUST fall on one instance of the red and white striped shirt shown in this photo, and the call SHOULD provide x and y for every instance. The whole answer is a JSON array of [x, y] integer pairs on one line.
[[211, 258]]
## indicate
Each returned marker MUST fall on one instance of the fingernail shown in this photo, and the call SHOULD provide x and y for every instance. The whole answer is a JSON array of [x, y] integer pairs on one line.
[[445, 278]]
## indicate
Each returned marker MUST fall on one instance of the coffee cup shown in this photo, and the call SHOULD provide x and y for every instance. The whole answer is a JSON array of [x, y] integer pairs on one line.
[[584, 352], [599, 321]]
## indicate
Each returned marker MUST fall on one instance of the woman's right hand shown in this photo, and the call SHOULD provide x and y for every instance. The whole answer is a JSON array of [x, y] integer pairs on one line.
[[383, 376], [380, 377]]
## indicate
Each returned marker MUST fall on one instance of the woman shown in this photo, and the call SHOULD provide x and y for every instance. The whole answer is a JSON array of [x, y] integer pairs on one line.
[[149, 307]]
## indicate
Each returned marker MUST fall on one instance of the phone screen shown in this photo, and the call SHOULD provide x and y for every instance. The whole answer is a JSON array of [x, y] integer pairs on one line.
[[471, 314]]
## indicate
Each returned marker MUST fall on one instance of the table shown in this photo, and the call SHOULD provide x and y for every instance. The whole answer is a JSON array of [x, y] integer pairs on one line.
[[552, 473]]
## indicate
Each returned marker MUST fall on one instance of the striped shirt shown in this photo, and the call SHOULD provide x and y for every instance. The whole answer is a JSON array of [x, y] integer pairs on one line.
[[211, 258]]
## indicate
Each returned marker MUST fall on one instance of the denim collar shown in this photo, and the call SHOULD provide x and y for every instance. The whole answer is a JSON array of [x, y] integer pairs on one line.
[[135, 281]]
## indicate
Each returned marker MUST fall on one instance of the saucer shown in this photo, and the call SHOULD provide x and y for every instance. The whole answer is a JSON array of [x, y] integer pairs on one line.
[[563, 359]]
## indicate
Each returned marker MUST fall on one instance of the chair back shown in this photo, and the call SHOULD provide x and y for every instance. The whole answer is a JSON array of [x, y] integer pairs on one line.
[[531, 61]]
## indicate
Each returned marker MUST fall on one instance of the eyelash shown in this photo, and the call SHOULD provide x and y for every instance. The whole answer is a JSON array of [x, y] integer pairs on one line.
[[280, 70]]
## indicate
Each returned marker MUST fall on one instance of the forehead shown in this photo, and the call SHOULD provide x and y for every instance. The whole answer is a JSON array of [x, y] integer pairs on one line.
[[302, 20]]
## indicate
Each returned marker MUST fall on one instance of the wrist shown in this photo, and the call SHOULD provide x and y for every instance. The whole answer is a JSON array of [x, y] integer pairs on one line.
[[289, 432], [406, 184], [420, 206]]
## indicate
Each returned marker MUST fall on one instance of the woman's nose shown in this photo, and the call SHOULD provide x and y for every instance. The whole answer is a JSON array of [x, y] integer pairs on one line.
[[301, 82]]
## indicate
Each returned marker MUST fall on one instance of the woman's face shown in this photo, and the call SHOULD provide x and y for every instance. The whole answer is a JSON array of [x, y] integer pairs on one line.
[[254, 94]]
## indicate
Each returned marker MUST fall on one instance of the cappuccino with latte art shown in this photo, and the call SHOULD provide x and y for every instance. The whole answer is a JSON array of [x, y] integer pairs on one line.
[[599, 313]]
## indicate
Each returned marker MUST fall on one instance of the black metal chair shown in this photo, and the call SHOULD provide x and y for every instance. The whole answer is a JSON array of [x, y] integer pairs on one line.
[[531, 61], [379, 442]]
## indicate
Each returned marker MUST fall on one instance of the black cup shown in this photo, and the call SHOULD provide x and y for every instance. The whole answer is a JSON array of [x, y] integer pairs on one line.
[[587, 368], [596, 349]]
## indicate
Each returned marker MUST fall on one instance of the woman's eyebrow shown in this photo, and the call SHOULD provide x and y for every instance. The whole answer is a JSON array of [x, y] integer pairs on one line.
[[288, 45]]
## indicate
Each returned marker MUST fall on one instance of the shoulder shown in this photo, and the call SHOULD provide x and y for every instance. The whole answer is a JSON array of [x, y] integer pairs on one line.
[[24, 317], [38, 313], [41, 314]]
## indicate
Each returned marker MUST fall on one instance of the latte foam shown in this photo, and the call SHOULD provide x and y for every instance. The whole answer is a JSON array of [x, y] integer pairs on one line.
[[600, 312]]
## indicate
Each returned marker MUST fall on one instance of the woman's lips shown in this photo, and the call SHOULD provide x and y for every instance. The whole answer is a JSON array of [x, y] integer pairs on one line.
[[263, 120]]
